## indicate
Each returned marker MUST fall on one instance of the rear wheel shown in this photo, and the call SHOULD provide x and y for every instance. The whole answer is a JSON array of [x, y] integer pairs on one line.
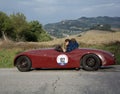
[[23, 63], [90, 62]]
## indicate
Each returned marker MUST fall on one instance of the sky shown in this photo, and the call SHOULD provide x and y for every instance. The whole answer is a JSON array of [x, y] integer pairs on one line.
[[51, 11]]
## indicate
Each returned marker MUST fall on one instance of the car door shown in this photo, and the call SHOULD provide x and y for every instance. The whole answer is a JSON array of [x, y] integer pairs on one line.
[[64, 60], [55, 59]]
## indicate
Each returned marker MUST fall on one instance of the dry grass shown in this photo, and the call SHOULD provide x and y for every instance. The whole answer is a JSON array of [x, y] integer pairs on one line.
[[90, 38], [99, 37], [93, 37]]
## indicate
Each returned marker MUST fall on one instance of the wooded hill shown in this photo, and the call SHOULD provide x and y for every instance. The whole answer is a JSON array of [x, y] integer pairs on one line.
[[70, 27]]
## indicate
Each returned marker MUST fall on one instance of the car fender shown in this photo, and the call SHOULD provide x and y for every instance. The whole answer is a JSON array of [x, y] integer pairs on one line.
[[102, 59]]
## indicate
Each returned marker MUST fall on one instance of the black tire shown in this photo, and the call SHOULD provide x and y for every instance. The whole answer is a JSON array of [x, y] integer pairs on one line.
[[23, 64], [90, 62]]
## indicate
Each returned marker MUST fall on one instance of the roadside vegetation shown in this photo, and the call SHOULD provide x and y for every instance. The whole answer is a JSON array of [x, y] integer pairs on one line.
[[15, 27]]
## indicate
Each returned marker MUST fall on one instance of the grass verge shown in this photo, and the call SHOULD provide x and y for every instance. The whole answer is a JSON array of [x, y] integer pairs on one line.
[[7, 56]]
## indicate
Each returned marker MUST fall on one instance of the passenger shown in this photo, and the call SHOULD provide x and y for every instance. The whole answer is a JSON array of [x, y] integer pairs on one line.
[[70, 45], [74, 43]]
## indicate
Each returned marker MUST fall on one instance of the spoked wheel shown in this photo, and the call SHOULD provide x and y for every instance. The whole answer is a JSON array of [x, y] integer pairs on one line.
[[23, 64], [90, 62]]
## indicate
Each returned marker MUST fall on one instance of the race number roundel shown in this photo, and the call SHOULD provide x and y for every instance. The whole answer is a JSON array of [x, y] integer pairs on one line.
[[62, 59]]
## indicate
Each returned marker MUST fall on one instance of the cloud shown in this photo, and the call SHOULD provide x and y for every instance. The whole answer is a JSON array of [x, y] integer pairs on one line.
[[108, 9], [47, 11]]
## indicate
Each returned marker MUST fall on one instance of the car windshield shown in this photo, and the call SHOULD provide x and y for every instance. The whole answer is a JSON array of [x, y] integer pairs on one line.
[[58, 48]]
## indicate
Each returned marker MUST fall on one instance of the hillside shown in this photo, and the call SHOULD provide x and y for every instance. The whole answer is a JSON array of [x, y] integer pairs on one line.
[[87, 38], [72, 27]]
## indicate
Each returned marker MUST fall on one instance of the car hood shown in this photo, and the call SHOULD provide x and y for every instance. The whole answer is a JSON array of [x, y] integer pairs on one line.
[[96, 51]]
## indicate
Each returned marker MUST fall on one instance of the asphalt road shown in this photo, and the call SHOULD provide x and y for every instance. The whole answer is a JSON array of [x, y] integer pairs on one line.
[[104, 81]]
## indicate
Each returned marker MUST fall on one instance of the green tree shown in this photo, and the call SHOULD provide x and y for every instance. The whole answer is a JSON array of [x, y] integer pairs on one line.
[[28, 36], [18, 28], [36, 27], [6, 28], [19, 23]]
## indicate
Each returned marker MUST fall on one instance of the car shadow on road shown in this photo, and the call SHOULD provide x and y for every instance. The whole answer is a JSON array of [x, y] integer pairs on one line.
[[52, 69], [102, 69], [109, 69]]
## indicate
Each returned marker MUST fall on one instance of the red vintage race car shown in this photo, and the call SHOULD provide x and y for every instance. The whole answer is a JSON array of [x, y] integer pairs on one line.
[[88, 59]]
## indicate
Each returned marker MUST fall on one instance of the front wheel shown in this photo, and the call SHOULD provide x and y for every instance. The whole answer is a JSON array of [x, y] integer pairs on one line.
[[23, 63], [90, 62]]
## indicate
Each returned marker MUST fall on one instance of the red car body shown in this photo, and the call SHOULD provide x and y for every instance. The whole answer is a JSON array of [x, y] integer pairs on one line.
[[50, 58]]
